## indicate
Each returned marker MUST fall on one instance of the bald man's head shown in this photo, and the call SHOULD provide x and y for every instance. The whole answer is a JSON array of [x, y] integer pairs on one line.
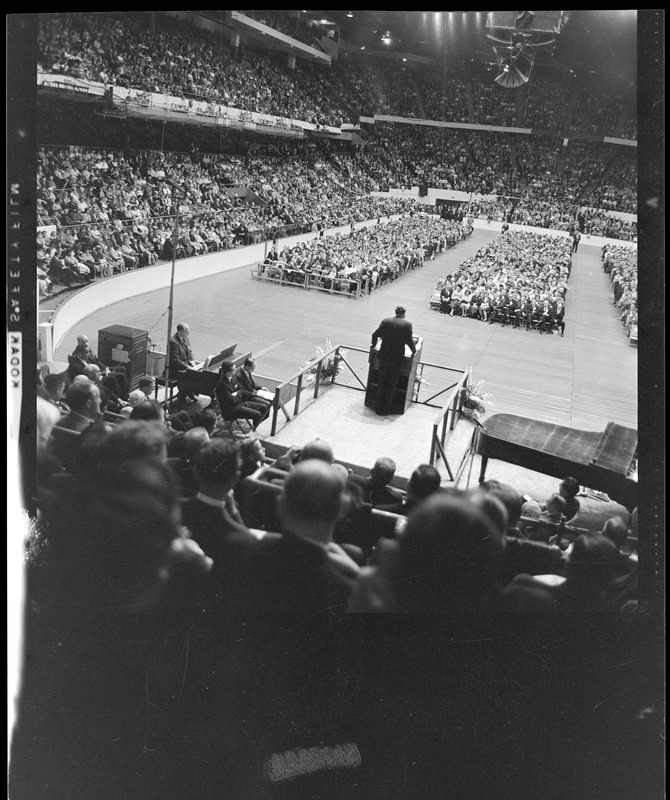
[[616, 530], [312, 494], [317, 449]]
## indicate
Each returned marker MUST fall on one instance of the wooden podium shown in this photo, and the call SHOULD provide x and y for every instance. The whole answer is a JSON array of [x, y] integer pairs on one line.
[[405, 388]]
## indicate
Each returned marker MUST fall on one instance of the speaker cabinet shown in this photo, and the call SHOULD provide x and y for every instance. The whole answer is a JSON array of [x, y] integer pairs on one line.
[[119, 344]]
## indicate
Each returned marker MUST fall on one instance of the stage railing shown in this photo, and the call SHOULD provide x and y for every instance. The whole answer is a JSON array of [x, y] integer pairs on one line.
[[339, 367], [315, 375], [317, 280]]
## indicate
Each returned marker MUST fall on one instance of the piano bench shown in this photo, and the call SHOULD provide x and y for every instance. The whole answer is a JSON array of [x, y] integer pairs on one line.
[[170, 386]]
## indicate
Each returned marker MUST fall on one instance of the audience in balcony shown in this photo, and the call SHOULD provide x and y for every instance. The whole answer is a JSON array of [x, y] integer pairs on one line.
[[157, 53]]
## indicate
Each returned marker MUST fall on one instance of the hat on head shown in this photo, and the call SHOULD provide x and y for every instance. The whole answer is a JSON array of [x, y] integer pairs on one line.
[[400, 310]]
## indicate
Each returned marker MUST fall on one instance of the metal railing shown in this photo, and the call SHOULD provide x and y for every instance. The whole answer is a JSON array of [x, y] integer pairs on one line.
[[317, 280], [323, 369], [327, 368]]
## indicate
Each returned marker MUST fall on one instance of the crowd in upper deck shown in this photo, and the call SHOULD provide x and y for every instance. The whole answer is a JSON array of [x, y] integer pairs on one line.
[[92, 195], [157, 53]]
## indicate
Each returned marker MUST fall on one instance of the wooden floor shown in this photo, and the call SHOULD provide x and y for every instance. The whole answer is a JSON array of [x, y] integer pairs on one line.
[[583, 380]]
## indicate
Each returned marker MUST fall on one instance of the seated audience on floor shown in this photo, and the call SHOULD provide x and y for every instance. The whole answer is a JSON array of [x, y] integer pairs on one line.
[[568, 489], [83, 400], [316, 448], [82, 339], [252, 457], [109, 400]]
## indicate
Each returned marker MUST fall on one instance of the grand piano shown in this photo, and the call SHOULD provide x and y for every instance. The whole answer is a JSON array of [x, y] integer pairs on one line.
[[600, 460]]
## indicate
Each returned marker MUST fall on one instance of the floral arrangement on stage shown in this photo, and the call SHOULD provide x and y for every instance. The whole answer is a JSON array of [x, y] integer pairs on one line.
[[474, 399], [329, 368]]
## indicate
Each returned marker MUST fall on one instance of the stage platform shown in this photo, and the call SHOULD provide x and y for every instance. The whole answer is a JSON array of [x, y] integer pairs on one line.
[[358, 436]]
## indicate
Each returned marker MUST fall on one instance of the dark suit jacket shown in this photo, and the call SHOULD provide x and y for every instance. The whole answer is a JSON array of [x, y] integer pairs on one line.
[[246, 382], [74, 422], [76, 367], [224, 396], [180, 354], [215, 530], [283, 575], [375, 493], [395, 333], [65, 447]]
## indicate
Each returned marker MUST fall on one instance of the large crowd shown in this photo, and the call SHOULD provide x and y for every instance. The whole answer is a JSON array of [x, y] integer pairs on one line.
[[157, 53], [163, 541], [368, 257], [102, 212], [620, 263], [299, 537], [95, 196], [188, 599], [521, 279]]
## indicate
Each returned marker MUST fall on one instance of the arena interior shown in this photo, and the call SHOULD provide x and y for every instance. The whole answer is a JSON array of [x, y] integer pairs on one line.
[[343, 476]]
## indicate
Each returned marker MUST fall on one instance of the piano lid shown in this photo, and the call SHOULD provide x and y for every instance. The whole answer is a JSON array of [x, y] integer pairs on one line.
[[571, 444], [617, 448]]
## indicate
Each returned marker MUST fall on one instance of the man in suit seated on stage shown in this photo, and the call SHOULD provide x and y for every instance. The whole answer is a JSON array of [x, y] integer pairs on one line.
[[181, 354], [250, 389], [229, 397]]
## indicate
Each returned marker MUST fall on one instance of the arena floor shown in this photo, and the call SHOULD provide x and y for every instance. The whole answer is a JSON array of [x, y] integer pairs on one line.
[[582, 380]]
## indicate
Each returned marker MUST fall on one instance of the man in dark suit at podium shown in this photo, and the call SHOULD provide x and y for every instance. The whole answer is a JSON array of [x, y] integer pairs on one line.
[[395, 333]]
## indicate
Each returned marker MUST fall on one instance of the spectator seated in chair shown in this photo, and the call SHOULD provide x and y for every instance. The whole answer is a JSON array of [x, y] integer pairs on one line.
[[54, 385], [445, 562], [303, 572], [424, 481], [230, 398], [211, 514], [376, 489], [145, 390]]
